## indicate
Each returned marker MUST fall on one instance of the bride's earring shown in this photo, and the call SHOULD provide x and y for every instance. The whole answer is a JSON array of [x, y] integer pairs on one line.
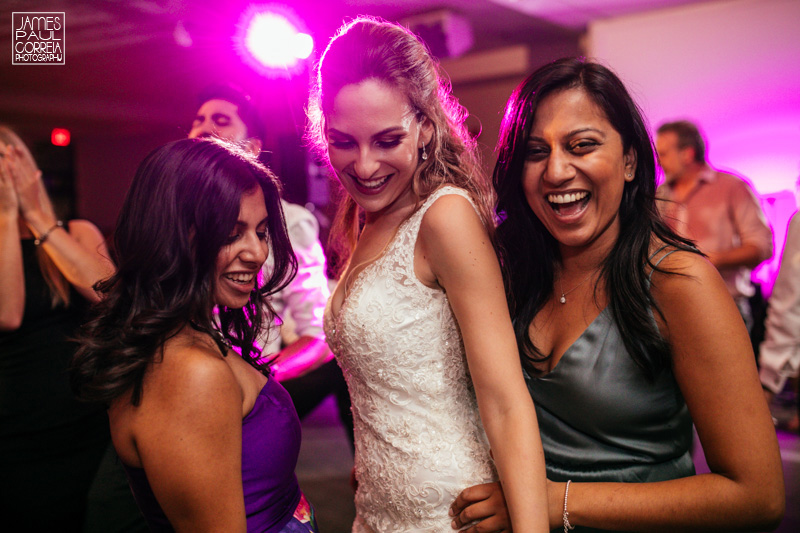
[[424, 153]]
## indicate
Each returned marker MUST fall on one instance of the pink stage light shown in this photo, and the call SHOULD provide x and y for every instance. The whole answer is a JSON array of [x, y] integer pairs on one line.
[[272, 38]]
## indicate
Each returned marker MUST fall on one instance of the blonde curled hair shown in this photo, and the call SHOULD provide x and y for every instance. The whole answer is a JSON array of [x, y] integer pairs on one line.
[[370, 48]]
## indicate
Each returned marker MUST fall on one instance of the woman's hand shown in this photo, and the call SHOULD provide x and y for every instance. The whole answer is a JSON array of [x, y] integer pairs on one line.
[[483, 506], [12, 276], [9, 203], [32, 196]]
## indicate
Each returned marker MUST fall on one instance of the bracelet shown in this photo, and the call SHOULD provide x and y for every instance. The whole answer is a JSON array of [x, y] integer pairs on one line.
[[565, 516], [43, 237]]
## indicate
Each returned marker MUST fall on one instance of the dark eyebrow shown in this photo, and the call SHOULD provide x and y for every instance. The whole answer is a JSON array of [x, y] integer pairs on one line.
[[393, 129], [534, 138], [584, 130]]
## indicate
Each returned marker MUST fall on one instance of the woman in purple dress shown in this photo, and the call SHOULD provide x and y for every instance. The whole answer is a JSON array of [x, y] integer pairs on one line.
[[209, 440]]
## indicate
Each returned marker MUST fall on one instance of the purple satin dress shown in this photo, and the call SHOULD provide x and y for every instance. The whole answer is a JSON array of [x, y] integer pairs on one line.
[[270, 446]]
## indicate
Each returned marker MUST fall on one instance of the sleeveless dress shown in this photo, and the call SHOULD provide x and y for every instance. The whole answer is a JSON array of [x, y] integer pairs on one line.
[[50, 443], [270, 447], [600, 419], [418, 436]]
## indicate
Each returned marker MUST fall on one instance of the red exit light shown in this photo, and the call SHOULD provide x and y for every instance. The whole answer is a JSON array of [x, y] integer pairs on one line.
[[59, 137]]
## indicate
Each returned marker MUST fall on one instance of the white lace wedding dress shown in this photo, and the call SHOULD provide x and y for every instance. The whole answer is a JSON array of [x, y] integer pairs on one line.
[[418, 435]]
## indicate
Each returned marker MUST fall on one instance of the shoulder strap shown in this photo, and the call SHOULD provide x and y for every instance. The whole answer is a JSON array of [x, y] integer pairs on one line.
[[416, 219], [658, 261], [412, 225]]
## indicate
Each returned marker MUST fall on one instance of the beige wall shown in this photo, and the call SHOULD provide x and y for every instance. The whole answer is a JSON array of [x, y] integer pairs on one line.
[[732, 66], [485, 97]]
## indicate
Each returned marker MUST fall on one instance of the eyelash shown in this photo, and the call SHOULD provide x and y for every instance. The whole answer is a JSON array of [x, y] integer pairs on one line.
[[536, 152], [583, 144], [262, 235], [341, 145], [346, 145], [388, 144]]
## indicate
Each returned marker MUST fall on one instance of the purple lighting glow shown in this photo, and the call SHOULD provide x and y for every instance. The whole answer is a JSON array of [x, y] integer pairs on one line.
[[272, 39]]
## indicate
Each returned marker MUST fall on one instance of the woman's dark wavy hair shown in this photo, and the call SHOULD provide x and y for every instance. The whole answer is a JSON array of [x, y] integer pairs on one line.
[[530, 254], [182, 205]]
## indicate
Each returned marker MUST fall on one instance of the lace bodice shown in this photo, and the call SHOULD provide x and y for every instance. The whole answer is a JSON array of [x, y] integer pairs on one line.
[[418, 436]]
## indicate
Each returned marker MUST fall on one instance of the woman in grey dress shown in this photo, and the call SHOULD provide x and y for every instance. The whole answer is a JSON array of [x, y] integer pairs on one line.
[[627, 334]]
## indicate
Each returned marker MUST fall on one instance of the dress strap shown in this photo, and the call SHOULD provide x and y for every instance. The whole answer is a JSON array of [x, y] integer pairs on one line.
[[438, 193], [658, 261], [410, 228], [663, 247], [415, 220]]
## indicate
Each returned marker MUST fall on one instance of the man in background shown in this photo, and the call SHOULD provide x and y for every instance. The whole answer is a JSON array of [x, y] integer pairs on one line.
[[718, 211]]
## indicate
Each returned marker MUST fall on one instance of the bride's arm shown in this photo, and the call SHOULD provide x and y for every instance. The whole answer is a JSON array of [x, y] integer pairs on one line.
[[455, 246]]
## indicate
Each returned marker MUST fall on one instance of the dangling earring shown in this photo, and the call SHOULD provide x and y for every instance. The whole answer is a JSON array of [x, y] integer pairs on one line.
[[424, 153]]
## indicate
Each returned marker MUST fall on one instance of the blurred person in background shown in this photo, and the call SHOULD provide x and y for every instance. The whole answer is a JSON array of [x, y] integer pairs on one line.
[[50, 444], [779, 357], [718, 211]]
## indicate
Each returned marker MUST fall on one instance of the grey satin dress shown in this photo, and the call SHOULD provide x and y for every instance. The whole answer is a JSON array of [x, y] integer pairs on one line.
[[600, 419]]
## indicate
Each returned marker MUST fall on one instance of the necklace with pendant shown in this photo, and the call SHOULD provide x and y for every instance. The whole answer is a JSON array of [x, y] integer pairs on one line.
[[563, 298]]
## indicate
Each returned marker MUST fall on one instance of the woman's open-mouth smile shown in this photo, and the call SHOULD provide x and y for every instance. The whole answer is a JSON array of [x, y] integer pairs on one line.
[[568, 205]]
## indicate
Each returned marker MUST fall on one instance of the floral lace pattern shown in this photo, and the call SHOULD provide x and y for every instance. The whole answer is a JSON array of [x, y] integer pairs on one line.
[[419, 438]]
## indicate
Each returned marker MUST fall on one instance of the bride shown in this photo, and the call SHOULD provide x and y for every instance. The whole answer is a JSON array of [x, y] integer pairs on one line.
[[419, 321]]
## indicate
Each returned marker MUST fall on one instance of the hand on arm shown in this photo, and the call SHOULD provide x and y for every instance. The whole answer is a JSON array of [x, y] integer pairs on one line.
[[190, 444], [484, 504], [744, 490], [12, 278], [80, 252], [468, 270]]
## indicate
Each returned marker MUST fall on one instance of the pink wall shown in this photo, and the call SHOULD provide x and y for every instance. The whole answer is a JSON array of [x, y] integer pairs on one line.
[[730, 66]]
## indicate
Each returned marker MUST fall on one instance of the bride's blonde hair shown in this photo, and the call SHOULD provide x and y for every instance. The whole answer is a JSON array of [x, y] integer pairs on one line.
[[369, 48]]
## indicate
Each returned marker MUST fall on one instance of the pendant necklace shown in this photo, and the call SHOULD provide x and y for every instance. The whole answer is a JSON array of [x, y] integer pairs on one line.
[[563, 298]]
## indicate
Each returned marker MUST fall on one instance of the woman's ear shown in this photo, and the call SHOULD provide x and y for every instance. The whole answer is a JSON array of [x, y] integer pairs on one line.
[[630, 164], [425, 132], [252, 145]]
